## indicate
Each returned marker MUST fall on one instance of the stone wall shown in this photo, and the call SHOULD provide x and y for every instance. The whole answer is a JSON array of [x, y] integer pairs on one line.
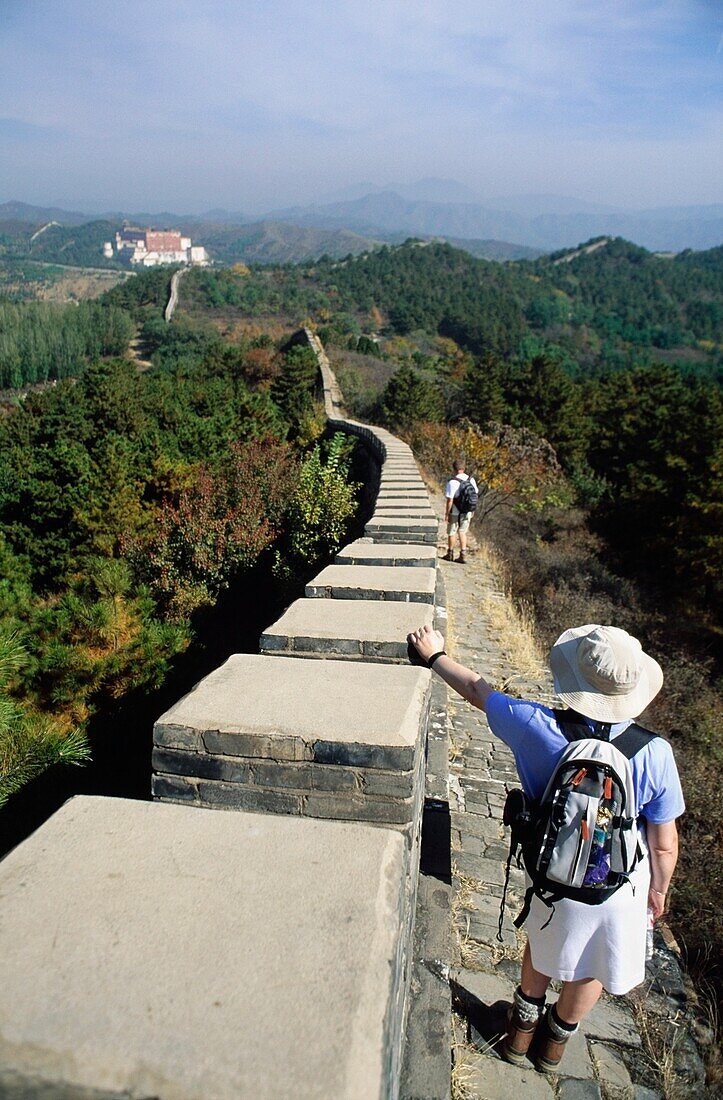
[[167, 949], [343, 733], [345, 739]]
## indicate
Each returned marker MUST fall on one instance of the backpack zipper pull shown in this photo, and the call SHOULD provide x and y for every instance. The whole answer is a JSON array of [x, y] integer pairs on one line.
[[577, 779], [608, 787]]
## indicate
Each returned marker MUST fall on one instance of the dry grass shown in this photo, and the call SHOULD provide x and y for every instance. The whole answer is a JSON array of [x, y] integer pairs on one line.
[[659, 1043], [80, 286], [455, 752], [472, 954], [467, 887], [464, 1062], [512, 626], [479, 956], [710, 1035]]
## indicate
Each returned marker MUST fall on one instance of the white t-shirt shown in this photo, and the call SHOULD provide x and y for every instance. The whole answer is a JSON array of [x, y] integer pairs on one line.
[[453, 486]]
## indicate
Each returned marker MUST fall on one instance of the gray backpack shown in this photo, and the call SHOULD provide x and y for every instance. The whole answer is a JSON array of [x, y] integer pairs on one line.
[[581, 839]]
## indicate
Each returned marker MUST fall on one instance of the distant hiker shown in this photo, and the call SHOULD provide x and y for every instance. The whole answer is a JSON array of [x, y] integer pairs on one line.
[[460, 502], [603, 673]]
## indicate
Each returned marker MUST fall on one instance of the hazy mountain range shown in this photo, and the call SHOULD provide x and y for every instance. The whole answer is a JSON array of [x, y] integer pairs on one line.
[[364, 216], [544, 222], [74, 240]]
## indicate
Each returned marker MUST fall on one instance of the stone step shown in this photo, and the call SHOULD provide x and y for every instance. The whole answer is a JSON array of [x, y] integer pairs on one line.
[[374, 582], [403, 494], [407, 529], [357, 629], [402, 488], [393, 477], [405, 509], [365, 552], [163, 951]]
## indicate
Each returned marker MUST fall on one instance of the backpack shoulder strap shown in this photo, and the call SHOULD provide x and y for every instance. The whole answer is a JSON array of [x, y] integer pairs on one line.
[[572, 725], [633, 739], [630, 742]]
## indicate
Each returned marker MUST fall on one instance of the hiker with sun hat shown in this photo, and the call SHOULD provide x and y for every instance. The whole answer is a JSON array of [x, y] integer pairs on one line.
[[605, 680]]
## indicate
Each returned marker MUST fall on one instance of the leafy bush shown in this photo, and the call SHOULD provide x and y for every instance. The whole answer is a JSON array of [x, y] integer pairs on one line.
[[320, 508], [214, 526]]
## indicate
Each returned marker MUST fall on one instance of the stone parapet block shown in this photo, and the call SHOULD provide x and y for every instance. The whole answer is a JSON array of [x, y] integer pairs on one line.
[[406, 488], [351, 746], [300, 777], [330, 712], [342, 806], [367, 552], [392, 529], [374, 582], [177, 954], [357, 629], [411, 495]]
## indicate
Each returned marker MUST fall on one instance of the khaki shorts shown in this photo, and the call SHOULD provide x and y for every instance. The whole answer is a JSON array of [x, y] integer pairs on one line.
[[459, 523]]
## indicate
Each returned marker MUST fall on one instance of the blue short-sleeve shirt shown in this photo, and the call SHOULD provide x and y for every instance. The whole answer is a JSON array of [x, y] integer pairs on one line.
[[535, 738]]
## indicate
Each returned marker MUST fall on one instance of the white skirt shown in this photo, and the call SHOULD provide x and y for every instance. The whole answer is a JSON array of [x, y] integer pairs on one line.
[[604, 941]]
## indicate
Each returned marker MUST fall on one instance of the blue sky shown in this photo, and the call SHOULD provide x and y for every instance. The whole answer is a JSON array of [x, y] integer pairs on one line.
[[180, 105]]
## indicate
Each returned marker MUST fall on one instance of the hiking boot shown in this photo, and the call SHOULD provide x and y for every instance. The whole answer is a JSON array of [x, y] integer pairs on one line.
[[449, 556], [553, 1039], [462, 559], [522, 1020]]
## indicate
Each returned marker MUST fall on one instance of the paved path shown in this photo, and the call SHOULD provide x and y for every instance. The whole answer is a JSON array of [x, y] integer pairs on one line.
[[173, 297], [608, 1055], [42, 230]]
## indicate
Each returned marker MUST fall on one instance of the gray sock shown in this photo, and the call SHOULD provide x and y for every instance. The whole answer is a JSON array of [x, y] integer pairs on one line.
[[559, 1030], [528, 1010]]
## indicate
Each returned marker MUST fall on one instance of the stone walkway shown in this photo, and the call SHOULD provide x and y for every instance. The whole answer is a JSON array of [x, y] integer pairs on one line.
[[606, 1058]]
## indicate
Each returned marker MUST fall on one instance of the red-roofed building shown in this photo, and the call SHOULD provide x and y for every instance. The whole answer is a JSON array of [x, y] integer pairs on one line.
[[149, 247], [158, 241]]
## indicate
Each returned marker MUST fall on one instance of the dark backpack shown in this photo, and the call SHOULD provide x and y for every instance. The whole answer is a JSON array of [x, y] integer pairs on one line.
[[580, 840], [466, 497]]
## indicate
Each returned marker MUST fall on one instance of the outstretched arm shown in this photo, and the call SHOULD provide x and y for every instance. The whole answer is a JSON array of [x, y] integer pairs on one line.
[[464, 681]]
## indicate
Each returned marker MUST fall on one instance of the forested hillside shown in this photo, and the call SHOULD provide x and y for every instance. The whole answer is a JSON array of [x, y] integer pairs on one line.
[[571, 350], [77, 245], [39, 342], [130, 501], [616, 306], [261, 242]]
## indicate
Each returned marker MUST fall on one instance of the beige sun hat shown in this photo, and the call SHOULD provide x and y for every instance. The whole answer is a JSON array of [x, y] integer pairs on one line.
[[602, 672]]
